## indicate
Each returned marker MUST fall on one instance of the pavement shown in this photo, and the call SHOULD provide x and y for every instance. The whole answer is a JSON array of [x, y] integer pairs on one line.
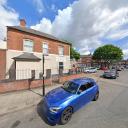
[[14, 101]]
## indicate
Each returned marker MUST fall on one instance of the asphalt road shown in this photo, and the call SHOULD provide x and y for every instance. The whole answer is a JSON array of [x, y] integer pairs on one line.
[[110, 111]]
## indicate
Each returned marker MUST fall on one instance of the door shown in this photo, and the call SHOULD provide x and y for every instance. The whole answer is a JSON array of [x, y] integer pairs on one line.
[[86, 93]]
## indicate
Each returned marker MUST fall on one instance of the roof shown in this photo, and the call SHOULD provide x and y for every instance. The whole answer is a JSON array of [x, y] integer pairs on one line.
[[27, 57], [38, 33], [86, 55], [82, 80]]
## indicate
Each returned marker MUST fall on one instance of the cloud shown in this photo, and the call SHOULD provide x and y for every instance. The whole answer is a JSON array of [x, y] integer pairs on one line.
[[8, 18], [45, 25], [39, 5], [125, 52], [86, 22]]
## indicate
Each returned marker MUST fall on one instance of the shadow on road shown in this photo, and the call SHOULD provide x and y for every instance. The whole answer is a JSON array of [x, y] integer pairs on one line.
[[41, 113]]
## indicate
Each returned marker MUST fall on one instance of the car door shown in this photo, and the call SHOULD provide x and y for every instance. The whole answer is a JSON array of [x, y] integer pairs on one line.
[[82, 96], [87, 93], [90, 91]]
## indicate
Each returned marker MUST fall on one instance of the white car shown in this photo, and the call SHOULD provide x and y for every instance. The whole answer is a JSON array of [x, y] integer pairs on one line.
[[90, 70]]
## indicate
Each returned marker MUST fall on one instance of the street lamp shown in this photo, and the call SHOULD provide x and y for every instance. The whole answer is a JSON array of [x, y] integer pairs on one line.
[[43, 85]]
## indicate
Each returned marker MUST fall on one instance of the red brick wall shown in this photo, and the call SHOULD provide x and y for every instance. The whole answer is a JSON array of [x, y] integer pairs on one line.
[[21, 85], [25, 84], [74, 76], [15, 42], [2, 63]]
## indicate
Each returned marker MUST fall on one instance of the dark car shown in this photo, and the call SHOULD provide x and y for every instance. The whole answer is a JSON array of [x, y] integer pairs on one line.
[[62, 102], [111, 74]]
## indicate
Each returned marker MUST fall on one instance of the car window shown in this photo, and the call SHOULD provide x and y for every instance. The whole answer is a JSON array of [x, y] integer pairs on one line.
[[70, 87], [86, 86], [82, 88], [89, 85]]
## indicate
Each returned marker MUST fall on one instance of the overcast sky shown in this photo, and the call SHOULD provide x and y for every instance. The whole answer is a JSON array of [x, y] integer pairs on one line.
[[88, 24]]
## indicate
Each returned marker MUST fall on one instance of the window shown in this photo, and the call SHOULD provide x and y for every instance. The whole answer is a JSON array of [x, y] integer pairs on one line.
[[61, 50], [70, 87], [82, 88], [45, 48], [28, 45], [86, 86], [89, 85]]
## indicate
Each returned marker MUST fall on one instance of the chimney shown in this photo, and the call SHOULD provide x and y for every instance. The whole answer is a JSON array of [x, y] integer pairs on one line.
[[22, 22]]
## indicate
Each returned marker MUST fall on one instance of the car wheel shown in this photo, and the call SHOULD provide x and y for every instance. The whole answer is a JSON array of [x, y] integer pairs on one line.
[[96, 96], [66, 115]]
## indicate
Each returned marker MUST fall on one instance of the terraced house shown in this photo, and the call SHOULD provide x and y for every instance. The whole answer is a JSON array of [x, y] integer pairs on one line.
[[25, 48]]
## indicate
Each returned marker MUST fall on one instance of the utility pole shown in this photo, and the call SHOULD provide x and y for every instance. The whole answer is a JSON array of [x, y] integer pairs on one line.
[[43, 85]]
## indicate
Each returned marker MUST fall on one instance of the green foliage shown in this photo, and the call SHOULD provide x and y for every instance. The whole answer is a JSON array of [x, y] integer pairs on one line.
[[74, 54], [108, 53]]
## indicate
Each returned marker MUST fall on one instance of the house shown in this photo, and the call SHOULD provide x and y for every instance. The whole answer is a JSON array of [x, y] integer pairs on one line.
[[86, 60], [25, 49]]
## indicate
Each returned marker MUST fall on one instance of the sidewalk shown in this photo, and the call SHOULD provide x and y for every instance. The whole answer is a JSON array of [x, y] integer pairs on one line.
[[14, 101]]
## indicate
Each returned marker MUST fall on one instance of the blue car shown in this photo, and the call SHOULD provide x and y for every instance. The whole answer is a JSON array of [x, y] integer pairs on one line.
[[60, 103]]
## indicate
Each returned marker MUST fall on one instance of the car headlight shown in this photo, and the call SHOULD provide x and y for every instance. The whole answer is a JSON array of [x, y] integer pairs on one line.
[[54, 109]]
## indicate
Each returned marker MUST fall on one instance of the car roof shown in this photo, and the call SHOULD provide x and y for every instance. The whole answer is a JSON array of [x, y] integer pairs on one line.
[[83, 80]]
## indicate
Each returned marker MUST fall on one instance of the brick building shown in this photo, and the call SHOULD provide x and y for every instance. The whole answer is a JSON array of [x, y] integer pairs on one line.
[[23, 57], [86, 60]]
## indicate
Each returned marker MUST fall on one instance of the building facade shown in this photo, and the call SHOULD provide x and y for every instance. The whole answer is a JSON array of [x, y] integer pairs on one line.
[[86, 60], [25, 50]]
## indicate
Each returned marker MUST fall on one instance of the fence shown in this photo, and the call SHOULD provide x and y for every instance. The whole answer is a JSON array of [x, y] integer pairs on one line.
[[12, 74]]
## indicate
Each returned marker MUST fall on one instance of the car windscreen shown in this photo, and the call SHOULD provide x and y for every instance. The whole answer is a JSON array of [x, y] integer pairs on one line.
[[70, 87]]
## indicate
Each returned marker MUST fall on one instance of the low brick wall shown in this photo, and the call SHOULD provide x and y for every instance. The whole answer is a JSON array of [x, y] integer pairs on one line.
[[21, 85], [27, 84], [69, 77]]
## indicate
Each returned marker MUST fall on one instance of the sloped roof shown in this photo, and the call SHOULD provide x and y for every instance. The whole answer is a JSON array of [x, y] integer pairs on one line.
[[35, 32], [86, 55], [27, 57]]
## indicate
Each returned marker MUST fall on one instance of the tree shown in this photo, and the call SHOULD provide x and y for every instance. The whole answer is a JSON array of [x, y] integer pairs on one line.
[[74, 54], [108, 54]]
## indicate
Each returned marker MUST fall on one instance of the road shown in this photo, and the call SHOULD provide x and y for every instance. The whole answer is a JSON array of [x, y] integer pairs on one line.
[[110, 111]]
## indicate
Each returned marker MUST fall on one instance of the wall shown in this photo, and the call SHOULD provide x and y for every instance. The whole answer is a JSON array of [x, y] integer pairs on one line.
[[2, 63], [15, 42], [21, 85], [51, 62], [69, 77], [26, 84]]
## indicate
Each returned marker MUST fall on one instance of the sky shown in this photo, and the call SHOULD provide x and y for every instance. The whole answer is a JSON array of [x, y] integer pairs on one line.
[[88, 24]]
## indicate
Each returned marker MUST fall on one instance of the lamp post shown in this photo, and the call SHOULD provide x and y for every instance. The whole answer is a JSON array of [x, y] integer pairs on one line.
[[43, 85]]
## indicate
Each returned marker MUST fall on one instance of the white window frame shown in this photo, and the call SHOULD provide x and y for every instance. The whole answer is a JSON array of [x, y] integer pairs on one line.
[[45, 48], [61, 53], [24, 45]]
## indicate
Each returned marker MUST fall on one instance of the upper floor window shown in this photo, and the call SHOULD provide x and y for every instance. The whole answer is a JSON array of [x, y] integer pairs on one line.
[[28, 45], [61, 50], [45, 48]]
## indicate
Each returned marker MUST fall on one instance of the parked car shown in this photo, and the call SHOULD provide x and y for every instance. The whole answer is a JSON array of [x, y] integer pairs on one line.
[[119, 69], [60, 103], [113, 73], [90, 70]]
